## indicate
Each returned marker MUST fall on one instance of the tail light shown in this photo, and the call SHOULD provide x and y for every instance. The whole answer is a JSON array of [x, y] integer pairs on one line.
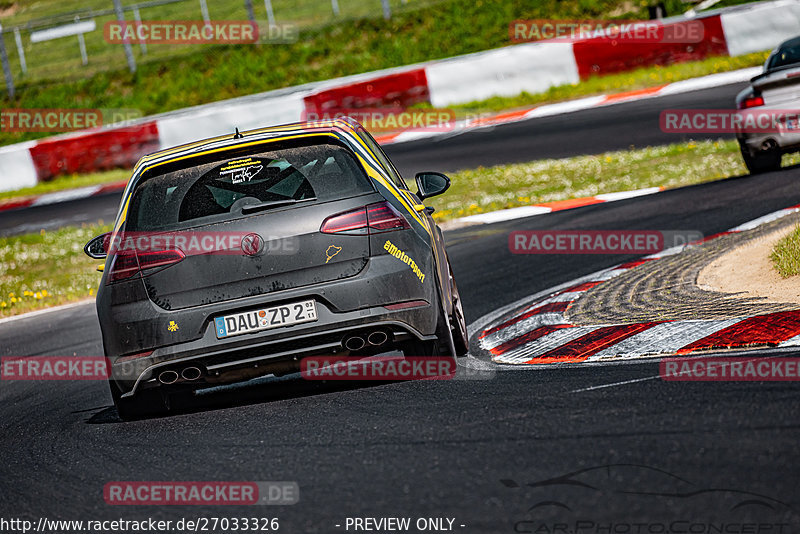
[[129, 263], [372, 219], [384, 218], [751, 102]]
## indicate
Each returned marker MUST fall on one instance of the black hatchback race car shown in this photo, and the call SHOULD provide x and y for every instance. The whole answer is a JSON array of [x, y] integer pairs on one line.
[[235, 257]]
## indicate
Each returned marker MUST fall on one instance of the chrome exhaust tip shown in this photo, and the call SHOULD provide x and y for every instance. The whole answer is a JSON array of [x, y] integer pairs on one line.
[[168, 377], [378, 337], [354, 343], [191, 373]]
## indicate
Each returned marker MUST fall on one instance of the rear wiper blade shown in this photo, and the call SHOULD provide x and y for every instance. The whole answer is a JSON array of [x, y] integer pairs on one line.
[[269, 204]]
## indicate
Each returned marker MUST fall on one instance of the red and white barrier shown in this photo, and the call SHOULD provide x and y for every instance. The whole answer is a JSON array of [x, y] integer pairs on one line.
[[508, 71], [16, 167], [213, 120], [754, 27], [529, 67]]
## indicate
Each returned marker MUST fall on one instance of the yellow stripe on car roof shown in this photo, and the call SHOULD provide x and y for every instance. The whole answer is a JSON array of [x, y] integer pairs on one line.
[[323, 128]]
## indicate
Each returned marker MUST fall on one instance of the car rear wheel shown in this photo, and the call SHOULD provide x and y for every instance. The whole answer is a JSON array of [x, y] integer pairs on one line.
[[440, 347], [762, 162], [458, 324]]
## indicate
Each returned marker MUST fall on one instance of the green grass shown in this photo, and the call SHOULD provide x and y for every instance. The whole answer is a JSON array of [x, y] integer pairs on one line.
[[60, 58], [211, 73], [507, 186], [69, 181], [49, 268], [786, 254]]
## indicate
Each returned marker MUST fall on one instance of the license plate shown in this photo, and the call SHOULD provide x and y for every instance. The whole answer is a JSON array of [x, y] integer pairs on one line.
[[265, 318]]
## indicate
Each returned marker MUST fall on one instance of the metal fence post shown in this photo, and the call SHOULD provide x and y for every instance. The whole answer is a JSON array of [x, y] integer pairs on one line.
[[387, 10], [270, 14], [204, 11], [20, 51], [248, 5], [82, 45], [6, 66], [128, 49], [335, 7], [138, 19]]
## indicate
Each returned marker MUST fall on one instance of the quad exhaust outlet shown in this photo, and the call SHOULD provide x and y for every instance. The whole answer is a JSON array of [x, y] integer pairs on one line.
[[375, 338], [170, 376]]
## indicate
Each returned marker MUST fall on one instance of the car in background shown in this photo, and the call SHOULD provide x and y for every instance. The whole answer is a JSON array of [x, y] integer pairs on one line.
[[251, 251], [776, 90]]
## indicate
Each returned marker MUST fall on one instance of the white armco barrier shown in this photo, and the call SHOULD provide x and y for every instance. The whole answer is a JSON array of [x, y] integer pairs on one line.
[[212, 120], [16, 166], [531, 67], [757, 27]]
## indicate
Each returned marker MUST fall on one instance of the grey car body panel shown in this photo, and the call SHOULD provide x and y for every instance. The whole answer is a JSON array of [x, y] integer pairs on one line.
[[351, 290], [780, 89]]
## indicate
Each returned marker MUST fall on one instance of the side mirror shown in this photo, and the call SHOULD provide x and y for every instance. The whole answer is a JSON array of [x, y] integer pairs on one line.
[[431, 184], [97, 247]]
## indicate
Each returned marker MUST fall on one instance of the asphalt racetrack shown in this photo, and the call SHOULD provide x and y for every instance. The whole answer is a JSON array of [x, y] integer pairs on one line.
[[573, 449]]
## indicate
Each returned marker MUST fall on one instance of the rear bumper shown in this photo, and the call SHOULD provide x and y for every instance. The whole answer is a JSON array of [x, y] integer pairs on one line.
[[230, 360], [131, 323], [782, 140]]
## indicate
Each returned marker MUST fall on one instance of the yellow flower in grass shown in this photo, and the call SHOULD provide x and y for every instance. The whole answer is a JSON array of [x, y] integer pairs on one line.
[[11, 295], [14, 299], [3, 304], [44, 292]]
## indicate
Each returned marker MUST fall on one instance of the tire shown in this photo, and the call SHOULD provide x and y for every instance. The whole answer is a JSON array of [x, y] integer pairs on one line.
[[458, 324], [438, 347], [762, 162], [149, 402]]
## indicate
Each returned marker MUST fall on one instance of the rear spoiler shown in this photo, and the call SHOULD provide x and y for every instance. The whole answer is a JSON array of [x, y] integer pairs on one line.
[[793, 66]]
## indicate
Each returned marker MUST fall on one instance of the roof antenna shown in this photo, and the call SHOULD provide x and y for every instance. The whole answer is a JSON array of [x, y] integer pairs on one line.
[[237, 135]]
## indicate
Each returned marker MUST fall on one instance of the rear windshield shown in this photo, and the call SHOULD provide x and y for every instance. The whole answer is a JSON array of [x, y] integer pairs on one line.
[[209, 192], [784, 57]]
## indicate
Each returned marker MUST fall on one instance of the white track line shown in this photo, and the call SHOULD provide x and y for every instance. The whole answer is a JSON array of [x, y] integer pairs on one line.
[[63, 307], [615, 384]]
